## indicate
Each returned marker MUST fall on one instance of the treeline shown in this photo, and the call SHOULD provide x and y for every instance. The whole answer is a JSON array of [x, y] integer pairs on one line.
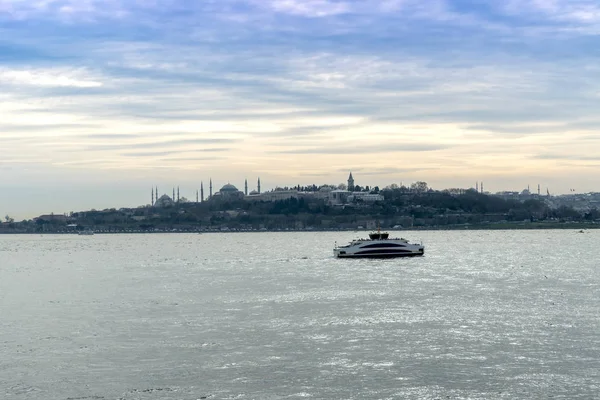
[[402, 206], [416, 206]]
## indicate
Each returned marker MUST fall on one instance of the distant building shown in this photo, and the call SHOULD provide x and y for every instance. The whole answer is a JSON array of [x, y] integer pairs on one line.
[[324, 192], [229, 192], [276, 195], [365, 197], [164, 201], [339, 197]]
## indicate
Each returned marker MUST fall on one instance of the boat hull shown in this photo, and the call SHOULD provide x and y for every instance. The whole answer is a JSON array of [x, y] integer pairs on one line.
[[379, 253], [383, 255]]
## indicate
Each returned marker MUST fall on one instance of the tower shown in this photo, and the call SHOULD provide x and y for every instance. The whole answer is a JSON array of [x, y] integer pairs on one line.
[[196, 197], [258, 187], [538, 189], [173, 198], [246, 187], [201, 191], [350, 182], [178, 194], [481, 187], [477, 186], [151, 204], [210, 188]]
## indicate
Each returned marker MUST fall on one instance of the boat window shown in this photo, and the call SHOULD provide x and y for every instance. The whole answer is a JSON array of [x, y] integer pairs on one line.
[[378, 245]]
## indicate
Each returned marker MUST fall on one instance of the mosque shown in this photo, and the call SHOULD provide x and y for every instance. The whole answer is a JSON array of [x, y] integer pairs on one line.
[[227, 192], [230, 192]]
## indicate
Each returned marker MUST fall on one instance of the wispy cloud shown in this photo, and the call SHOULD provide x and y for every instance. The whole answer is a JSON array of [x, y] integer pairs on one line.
[[366, 149], [581, 11], [176, 153], [68, 10], [309, 8], [161, 144], [559, 156], [58, 77]]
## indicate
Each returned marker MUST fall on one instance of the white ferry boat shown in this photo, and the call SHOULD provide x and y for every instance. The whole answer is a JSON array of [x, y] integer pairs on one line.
[[379, 245]]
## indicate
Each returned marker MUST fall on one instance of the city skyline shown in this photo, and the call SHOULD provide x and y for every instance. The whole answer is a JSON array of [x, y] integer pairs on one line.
[[100, 101], [188, 193]]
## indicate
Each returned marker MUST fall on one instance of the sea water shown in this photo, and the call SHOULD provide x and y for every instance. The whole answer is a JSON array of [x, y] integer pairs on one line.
[[483, 315]]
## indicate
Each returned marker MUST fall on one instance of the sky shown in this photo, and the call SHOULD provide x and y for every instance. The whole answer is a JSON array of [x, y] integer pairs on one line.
[[101, 100]]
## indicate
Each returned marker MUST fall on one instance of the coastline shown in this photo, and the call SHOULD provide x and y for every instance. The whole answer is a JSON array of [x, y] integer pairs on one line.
[[496, 226]]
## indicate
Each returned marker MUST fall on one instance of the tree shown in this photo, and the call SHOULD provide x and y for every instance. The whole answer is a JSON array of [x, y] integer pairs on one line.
[[419, 187], [9, 220], [342, 186]]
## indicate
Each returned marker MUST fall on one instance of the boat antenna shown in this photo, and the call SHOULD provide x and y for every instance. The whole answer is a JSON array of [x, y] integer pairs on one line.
[[378, 227]]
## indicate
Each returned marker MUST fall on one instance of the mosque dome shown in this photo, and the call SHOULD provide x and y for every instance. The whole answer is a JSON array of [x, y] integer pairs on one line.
[[229, 188], [164, 201]]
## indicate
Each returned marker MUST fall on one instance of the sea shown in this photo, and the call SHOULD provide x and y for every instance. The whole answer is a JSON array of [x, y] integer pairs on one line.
[[483, 315]]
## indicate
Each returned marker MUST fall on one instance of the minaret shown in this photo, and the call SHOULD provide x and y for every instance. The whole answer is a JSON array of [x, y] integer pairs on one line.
[[538, 189], [173, 198], [196, 197], [477, 186], [481, 187], [202, 191], [246, 187], [151, 204], [350, 182], [210, 188], [258, 187], [178, 194]]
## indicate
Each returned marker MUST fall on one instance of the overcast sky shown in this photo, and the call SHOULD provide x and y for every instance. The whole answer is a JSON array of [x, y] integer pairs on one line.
[[102, 99]]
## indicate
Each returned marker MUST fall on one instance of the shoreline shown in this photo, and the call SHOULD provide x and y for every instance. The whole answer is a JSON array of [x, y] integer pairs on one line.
[[494, 227]]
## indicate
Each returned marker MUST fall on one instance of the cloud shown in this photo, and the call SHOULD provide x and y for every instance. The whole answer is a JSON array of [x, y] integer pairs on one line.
[[161, 144], [112, 136], [58, 77], [472, 87], [367, 149], [161, 154], [580, 11], [573, 157], [309, 8], [67, 10], [386, 171], [537, 128], [188, 159], [41, 127]]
